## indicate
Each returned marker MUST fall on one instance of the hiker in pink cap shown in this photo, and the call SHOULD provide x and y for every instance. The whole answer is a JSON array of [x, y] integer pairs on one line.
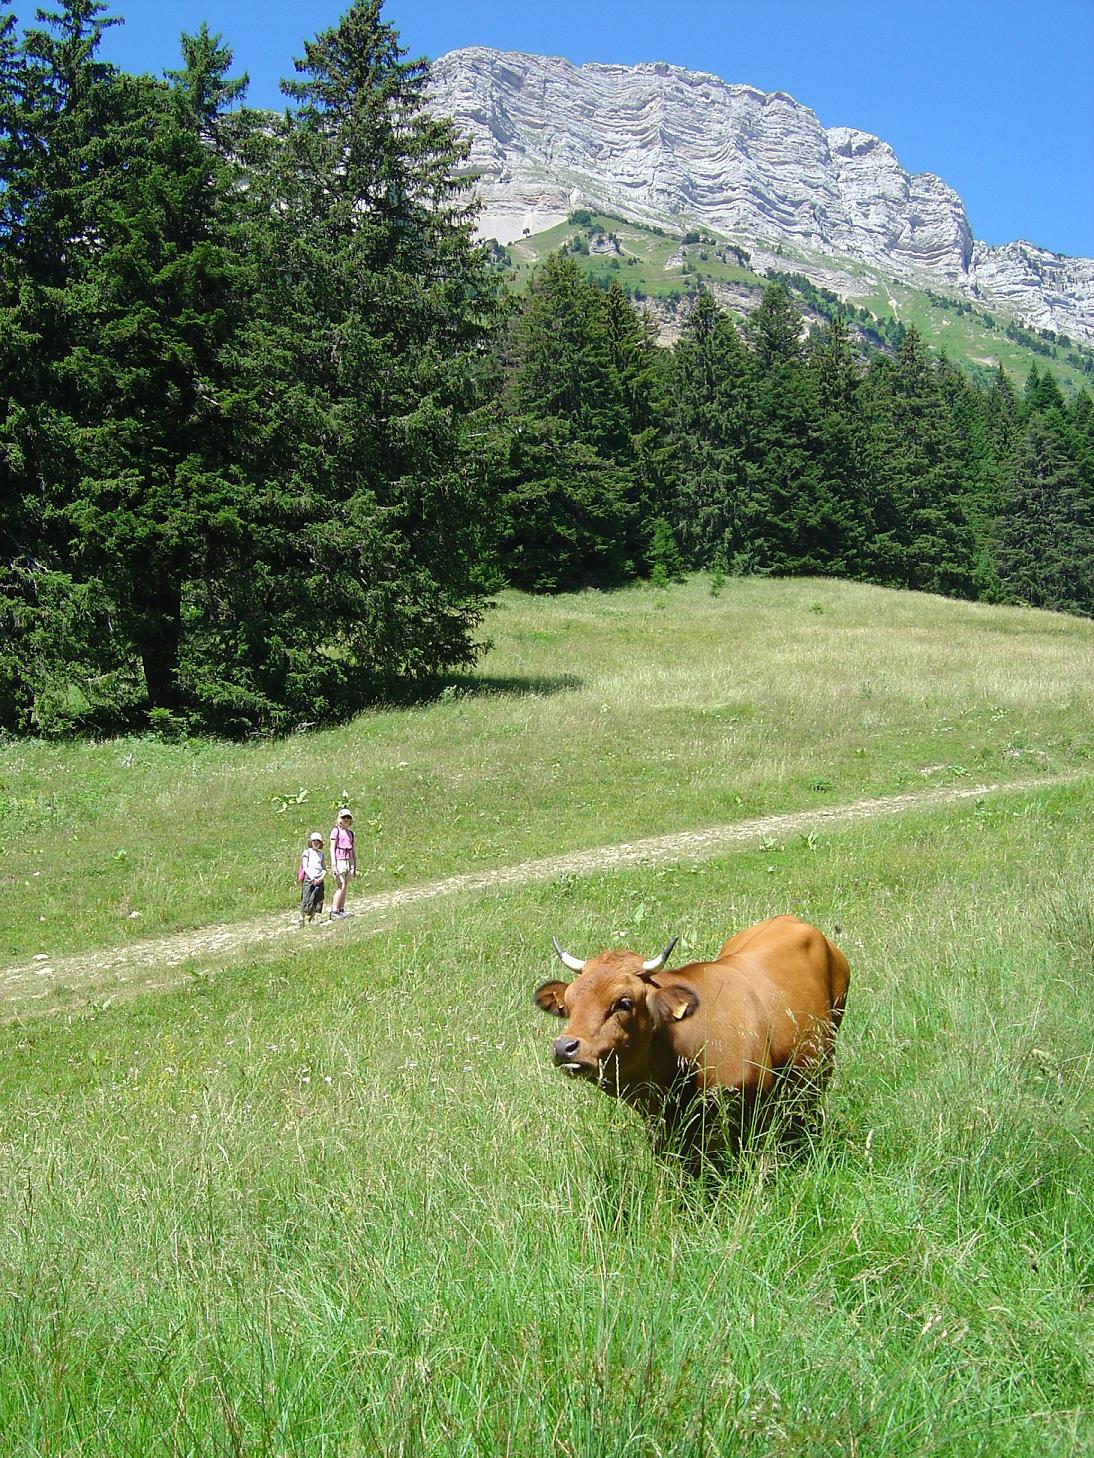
[[343, 859]]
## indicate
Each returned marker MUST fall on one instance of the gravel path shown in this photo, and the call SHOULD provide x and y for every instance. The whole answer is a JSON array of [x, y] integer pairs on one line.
[[42, 984]]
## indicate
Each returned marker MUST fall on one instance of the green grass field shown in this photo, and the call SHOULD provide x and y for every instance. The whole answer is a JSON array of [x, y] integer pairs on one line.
[[336, 1201], [595, 718]]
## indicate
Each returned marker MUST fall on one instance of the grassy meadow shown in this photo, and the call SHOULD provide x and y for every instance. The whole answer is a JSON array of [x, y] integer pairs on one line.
[[594, 718], [335, 1201]]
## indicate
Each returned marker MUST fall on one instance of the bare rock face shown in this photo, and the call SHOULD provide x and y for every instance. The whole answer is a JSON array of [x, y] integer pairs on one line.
[[659, 145], [1047, 290]]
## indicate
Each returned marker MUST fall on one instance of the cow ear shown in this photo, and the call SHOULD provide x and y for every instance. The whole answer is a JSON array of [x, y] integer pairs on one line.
[[548, 996], [671, 1004]]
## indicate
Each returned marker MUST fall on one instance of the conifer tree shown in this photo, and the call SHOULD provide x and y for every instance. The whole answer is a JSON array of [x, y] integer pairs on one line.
[[1042, 393], [161, 503], [836, 370], [1002, 418], [774, 329], [125, 250], [9, 101], [361, 374], [565, 511], [569, 485], [221, 426], [61, 654], [567, 363], [976, 469], [921, 537], [639, 379], [1044, 535], [710, 425], [205, 89], [800, 518], [1081, 424]]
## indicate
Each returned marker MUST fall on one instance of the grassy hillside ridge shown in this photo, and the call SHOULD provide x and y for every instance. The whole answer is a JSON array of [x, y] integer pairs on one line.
[[594, 718], [664, 269], [347, 1207]]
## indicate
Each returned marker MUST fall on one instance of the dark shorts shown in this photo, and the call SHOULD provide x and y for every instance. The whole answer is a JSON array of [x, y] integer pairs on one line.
[[311, 898]]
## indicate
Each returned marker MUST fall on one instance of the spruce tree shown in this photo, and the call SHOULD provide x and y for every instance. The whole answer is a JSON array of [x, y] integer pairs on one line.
[[569, 507], [64, 658], [9, 97], [127, 238], [360, 375], [974, 458], [1081, 425], [238, 401], [921, 537], [1044, 535], [710, 426], [799, 519], [568, 365], [1001, 411], [565, 511], [1042, 393], [161, 503], [640, 379], [774, 329], [836, 370]]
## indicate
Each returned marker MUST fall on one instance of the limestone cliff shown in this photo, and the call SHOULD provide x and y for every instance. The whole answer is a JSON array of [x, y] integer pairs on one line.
[[660, 145]]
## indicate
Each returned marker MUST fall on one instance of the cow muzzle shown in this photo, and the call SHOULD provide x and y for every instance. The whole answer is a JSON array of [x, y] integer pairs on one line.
[[566, 1053]]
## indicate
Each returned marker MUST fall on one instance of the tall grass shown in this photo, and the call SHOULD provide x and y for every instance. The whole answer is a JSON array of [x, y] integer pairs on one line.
[[339, 1203], [593, 718]]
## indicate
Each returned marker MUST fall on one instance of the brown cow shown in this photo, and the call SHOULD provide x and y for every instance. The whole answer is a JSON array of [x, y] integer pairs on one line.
[[756, 1027]]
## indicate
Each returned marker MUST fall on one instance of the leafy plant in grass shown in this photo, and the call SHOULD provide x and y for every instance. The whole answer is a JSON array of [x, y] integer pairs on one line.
[[665, 558]]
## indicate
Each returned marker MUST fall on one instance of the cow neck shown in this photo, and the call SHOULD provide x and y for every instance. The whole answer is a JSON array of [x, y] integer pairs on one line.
[[664, 1059]]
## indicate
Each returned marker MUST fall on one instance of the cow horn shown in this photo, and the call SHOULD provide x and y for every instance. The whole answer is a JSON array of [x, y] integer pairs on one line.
[[656, 963], [567, 961]]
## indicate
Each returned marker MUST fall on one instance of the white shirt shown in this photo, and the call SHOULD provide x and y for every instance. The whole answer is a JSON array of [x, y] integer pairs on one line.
[[313, 863]]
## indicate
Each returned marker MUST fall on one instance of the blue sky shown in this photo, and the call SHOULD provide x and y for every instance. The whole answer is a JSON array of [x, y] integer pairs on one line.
[[995, 96]]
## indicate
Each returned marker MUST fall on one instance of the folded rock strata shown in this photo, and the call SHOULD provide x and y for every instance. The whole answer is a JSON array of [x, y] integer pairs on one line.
[[663, 146]]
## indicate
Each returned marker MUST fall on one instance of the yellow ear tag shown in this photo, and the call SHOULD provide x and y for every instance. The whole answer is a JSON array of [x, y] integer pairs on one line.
[[680, 1009]]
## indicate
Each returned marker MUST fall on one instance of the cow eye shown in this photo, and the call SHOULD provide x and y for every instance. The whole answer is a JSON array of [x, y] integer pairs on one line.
[[625, 1004]]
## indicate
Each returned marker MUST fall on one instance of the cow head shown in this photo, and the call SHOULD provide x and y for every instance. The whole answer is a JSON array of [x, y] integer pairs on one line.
[[612, 1009]]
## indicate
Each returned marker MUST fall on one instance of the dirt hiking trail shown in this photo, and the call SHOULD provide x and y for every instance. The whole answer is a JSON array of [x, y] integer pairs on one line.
[[45, 984]]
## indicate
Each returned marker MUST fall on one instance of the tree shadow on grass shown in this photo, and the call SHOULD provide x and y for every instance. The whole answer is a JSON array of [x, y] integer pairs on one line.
[[359, 693], [479, 686]]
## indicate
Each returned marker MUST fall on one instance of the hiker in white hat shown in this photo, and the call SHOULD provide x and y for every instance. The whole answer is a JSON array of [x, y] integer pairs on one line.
[[343, 859], [312, 875]]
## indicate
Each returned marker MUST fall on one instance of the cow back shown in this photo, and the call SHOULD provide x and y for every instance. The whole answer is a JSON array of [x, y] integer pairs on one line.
[[772, 999]]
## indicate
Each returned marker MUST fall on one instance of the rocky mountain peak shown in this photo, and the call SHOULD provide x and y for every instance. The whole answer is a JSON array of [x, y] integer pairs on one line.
[[660, 145]]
